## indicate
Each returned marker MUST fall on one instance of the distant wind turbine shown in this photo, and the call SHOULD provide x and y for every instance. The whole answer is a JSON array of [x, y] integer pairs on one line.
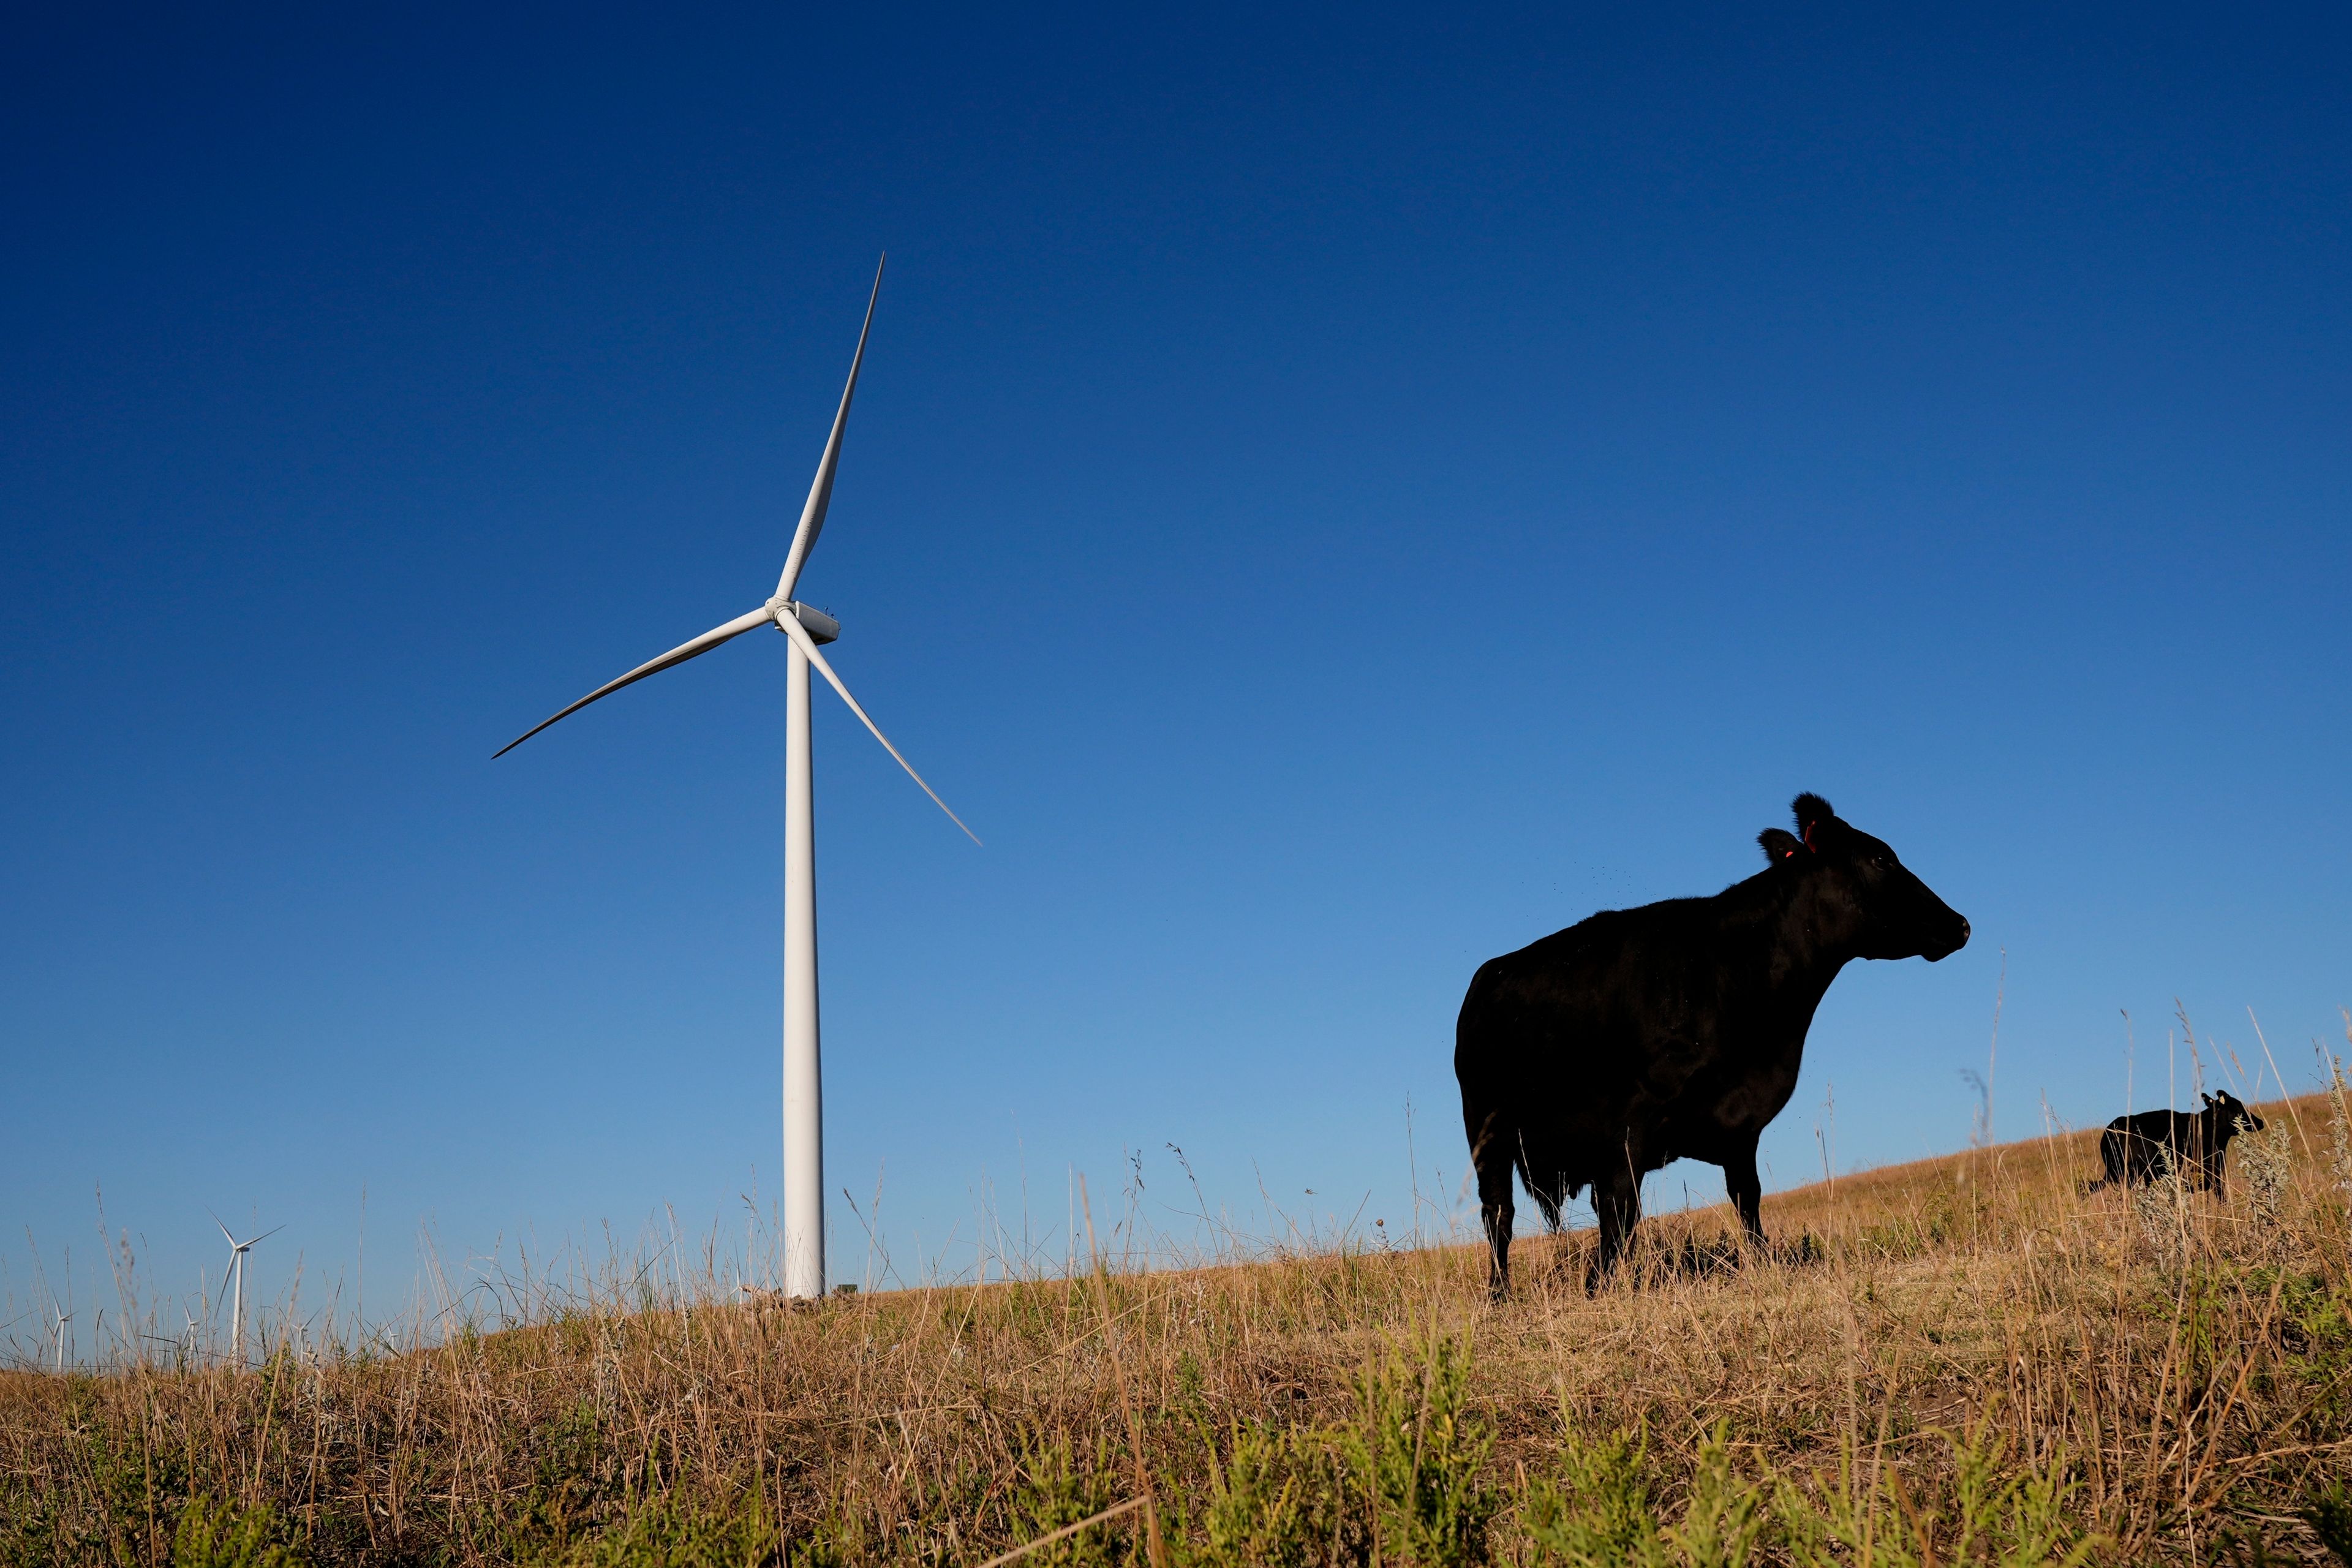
[[235, 1284], [807, 628], [63, 1319]]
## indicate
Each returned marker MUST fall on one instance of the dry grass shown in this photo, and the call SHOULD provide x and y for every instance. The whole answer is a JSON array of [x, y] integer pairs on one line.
[[1941, 1360]]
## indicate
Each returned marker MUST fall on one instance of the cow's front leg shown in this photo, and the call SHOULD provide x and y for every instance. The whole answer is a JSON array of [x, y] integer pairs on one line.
[[1747, 1190]]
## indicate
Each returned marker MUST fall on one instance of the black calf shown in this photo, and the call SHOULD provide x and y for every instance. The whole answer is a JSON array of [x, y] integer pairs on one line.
[[2134, 1148]]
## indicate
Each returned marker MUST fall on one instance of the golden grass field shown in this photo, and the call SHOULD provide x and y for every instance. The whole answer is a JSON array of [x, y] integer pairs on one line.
[[1962, 1359]]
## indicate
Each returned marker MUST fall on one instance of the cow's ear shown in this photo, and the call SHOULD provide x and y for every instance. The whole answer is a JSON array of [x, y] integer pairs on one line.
[[1811, 811], [1780, 845]]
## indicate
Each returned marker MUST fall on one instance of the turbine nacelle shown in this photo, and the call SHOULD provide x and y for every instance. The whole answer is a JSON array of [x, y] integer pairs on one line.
[[821, 627]]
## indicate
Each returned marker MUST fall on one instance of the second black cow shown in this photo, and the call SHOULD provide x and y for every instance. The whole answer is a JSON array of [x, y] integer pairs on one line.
[[1674, 1030], [2137, 1149]]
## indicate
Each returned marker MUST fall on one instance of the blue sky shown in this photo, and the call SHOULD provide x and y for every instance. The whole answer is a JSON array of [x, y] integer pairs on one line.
[[1335, 494]]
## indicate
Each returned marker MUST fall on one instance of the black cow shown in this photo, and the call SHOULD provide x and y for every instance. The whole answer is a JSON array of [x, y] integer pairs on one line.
[[2133, 1147], [1673, 1031]]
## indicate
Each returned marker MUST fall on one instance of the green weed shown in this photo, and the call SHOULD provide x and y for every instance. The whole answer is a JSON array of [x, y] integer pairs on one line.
[[222, 1535], [1053, 1490], [1273, 1501], [1602, 1511], [1415, 1453], [2329, 1514]]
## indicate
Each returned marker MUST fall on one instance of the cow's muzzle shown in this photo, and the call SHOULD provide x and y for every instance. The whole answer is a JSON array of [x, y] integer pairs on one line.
[[1959, 939]]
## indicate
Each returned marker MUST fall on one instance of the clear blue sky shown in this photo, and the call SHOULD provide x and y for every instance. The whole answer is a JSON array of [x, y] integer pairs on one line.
[[1335, 495]]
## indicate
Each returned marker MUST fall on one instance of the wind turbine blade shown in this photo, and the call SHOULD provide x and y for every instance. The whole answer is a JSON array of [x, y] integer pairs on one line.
[[224, 1229], [222, 1294], [266, 1234], [678, 655], [820, 494], [799, 634]]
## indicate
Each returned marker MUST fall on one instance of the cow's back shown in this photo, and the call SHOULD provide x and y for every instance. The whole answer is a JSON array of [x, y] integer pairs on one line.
[[1547, 1007]]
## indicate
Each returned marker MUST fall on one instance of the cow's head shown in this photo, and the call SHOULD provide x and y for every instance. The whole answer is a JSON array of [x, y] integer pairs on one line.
[[1889, 912], [2228, 1110]]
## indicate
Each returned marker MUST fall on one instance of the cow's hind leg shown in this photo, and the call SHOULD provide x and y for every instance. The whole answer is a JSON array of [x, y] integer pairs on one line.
[[1491, 1157], [1747, 1190], [1617, 1202]]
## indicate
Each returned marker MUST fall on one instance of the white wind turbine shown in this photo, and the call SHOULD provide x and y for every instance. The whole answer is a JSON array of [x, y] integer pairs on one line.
[[235, 1285], [63, 1319], [806, 628]]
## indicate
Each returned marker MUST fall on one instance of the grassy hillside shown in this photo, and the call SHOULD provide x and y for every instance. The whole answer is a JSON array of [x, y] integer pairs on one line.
[[1960, 1360]]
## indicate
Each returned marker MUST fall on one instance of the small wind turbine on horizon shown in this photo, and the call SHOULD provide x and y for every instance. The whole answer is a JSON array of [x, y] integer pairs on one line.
[[806, 628], [63, 1319], [234, 1285]]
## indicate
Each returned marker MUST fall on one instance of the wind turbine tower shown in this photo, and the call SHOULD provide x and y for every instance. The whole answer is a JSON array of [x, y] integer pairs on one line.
[[807, 629]]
